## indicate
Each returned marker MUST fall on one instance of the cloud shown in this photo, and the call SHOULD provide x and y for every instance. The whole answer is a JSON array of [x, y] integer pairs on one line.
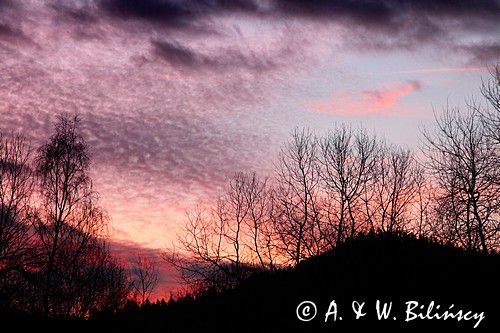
[[171, 11], [377, 13], [181, 56], [357, 25], [11, 30], [361, 24], [483, 53], [379, 25], [6, 30], [14, 35], [160, 139], [379, 100], [77, 14]]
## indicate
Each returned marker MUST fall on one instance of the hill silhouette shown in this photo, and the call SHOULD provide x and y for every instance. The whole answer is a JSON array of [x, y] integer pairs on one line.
[[385, 267]]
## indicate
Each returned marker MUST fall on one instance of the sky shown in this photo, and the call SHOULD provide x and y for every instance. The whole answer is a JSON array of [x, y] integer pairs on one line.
[[177, 96]]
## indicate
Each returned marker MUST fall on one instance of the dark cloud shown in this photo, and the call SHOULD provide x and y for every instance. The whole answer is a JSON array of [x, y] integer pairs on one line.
[[79, 14], [171, 10], [167, 12], [383, 13], [410, 24], [368, 25], [6, 3], [10, 33], [178, 55], [190, 14], [8, 27], [378, 12], [381, 25], [6, 30], [482, 54]]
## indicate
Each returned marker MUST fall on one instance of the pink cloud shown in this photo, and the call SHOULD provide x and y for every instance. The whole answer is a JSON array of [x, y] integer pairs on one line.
[[377, 100]]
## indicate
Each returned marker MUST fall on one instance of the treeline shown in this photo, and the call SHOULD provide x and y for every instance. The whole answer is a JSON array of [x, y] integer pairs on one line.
[[54, 256], [369, 267], [329, 188]]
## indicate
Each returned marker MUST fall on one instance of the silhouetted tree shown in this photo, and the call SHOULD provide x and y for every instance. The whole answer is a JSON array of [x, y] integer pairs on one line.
[[298, 222], [490, 89], [69, 222], [423, 206], [348, 158], [236, 237], [464, 160], [393, 189], [16, 185], [328, 189], [259, 224], [144, 277], [17, 250]]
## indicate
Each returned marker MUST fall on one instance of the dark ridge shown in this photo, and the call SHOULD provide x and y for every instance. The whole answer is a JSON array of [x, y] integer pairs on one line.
[[385, 267]]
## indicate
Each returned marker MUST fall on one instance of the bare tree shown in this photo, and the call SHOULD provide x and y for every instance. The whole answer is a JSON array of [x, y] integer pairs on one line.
[[328, 189], [202, 261], [68, 221], [347, 160], [395, 175], [259, 229], [464, 160], [423, 206], [16, 185], [112, 288], [298, 225], [91, 282], [235, 238], [490, 89], [144, 277]]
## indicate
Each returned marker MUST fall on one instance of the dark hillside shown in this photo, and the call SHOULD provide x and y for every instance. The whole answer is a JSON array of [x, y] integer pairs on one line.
[[369, 268]]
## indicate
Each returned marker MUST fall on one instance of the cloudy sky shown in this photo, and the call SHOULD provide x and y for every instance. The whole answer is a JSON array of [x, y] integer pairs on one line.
[[176, 96]]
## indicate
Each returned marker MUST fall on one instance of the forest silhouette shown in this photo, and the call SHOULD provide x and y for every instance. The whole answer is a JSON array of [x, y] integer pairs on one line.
[[346, 215], [378, 266]]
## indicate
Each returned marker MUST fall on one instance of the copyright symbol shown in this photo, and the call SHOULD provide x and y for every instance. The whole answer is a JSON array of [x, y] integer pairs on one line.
[[306, 311]]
